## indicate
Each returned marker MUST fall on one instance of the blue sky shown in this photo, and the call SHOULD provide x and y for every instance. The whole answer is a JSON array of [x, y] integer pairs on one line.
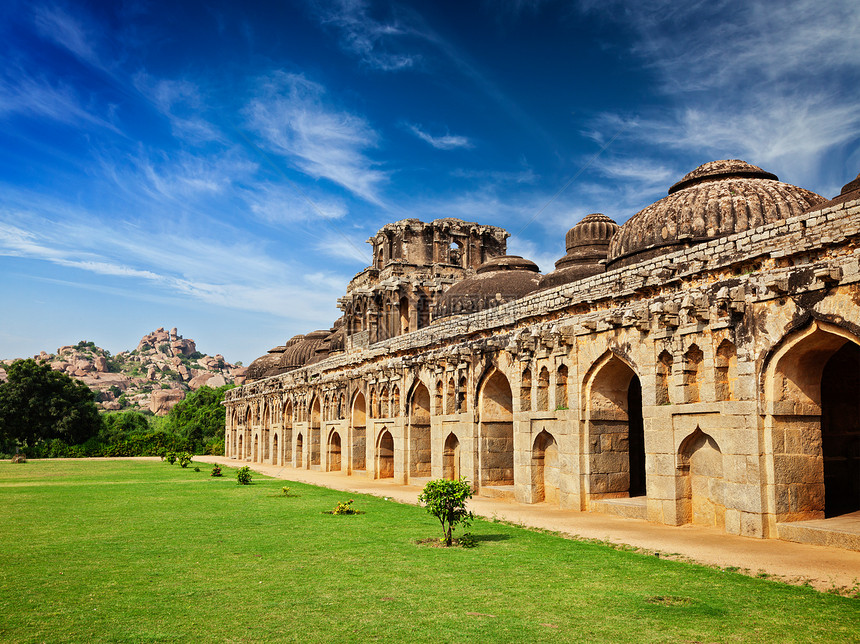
[[218, 166]]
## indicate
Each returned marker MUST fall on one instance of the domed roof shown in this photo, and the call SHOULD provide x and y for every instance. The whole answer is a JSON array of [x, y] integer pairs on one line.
[[332, 344], [587, 244], [850, 192], [498, 280], [714, 200], [265, 366], [300, 353]]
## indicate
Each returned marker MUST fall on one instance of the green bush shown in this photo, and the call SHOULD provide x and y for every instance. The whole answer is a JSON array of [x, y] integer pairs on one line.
[[243, 476], [446, 500], [343, 508], [216, 470], [170, 457], [184, 459]]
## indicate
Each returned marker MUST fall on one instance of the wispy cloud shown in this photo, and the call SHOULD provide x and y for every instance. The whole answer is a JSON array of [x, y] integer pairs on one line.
[[444, 142], [373, 41], [766, 81], [36, 98], [67, 31], [182, 103], [291, 116], [279, 205]]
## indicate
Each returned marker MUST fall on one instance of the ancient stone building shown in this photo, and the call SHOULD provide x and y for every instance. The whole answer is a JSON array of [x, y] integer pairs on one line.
[[698, 364]]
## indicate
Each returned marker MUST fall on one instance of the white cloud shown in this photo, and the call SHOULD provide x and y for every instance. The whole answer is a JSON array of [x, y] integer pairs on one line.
[[290, 114], [279, 204], [369, 39], [444, 142], [34, 98], [182, 103], [760, 80], [67, 31]]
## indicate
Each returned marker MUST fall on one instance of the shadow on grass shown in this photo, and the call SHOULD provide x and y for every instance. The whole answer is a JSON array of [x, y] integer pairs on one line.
[[491, 537]]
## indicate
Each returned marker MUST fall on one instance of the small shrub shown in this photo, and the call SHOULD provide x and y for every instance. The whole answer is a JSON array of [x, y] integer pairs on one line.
[[467, 540], [345, 508], [243, 476], [197, 468], [216, 470], [285, 491], [170, 457], [184, 459], [446, 500], [20, 457]]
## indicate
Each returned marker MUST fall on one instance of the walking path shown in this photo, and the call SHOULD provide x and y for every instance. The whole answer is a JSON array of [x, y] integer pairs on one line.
[[821, 566]]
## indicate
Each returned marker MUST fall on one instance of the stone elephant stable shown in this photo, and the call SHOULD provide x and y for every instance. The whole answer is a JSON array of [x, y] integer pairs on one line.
[[699, 364]]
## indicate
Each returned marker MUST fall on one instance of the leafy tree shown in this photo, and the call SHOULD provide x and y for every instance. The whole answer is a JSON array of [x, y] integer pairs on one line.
[[200, 417], [120, 425], [39, 404], [446, 500]]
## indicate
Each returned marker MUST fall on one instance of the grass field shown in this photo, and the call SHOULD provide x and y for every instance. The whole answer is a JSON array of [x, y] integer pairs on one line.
[[132, 551]]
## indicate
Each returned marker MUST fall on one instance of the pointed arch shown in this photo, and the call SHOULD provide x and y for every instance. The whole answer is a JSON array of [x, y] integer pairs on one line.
[[495, 430], [664, 376], [333, 460], [545, 468], [561, 387], [526, 390], [385, 455], [299, 451], [615, 429], [287, 433], [693, 374], [700, 464], [419, 431], [542, 395], [726, 370], [314, 432], [812, 401], [358, 431], [451, 458]]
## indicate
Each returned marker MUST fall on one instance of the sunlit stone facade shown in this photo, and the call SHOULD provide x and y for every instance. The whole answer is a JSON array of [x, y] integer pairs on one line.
[[706, 371]]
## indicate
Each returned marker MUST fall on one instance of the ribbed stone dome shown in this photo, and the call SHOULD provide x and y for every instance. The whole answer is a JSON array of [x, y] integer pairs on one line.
[[498, 280], [714, 200], [265, 366], [587, 244], [300, 353]]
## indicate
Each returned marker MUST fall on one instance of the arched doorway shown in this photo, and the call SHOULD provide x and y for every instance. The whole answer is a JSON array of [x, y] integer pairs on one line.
[[451, 458], [701, 465], [275, 453], [316, 416], [256, 441], [840, 430], [616, 437], [239, 451], [299, 450], [287, 434], [812, 389], [496, 431], [419, 432], [545, 468], [333, 461], [404, 315], [385, 456], [358, 427]]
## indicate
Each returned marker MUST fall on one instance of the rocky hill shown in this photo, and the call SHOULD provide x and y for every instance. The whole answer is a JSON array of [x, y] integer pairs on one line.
[[154, 376]]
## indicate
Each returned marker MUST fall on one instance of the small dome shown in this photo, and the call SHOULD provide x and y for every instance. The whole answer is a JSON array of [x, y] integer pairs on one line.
[[594, 230], [587, 245], [714, 200], [499, 280], [850, 192], [300, 353], [264, 366]]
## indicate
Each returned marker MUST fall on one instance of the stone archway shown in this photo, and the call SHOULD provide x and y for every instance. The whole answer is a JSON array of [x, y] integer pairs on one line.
[[358, 430], [419, 432], [275, 454], [287, 424], [451, 458], [615, 430], [314, 443], [545, 469], [812, 402], [299, 451], [496, 431], [385, 455], [333, 461], [700, 463]]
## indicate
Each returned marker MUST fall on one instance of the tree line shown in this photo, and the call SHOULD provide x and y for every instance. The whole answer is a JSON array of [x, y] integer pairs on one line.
[[46, 413]]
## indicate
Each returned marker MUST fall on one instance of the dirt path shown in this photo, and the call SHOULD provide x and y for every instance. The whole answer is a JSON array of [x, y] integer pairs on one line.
[[823, 567]]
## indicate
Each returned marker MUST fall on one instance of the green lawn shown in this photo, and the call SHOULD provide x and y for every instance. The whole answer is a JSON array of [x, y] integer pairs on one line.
[[99, 551]]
